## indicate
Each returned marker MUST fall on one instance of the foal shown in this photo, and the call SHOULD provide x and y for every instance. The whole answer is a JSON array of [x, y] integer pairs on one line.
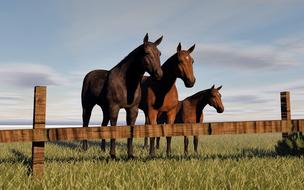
[[120, 88], [161, 96], [190, 110]]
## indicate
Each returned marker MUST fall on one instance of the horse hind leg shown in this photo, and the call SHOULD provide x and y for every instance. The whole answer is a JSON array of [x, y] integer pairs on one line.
[[157, 142], [86, 115], [113, 115], [195, 143], [186, 143], [145, 143]]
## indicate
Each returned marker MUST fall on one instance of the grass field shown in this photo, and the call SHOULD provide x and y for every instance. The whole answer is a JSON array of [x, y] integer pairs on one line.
[[224, 162]]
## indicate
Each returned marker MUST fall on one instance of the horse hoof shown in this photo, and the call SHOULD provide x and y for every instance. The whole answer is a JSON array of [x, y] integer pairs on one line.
[[84, 148], [131, 157], [152, 155], [113, 157]]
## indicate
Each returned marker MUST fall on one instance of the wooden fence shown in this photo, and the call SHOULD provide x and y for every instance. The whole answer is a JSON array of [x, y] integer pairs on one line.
[[39, 134]]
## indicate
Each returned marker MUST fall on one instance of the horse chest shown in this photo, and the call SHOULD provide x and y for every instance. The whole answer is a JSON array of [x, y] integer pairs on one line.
[[122, 96], [161, 101], [169, 103], [188, 113]]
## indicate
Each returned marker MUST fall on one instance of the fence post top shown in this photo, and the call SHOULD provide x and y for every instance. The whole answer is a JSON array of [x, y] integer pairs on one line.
[[284, 92], [40, 86]]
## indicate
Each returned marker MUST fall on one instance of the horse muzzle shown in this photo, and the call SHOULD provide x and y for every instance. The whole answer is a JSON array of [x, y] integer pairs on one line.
[[158, 74], [189, 83], [220, 110]]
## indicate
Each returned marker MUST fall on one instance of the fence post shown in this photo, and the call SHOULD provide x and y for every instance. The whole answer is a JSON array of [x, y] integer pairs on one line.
[[285, 109], [38, 123]]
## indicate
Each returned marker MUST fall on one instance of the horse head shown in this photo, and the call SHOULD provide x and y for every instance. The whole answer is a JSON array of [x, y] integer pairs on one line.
[[185, 65], [215, 99], [151, 57]]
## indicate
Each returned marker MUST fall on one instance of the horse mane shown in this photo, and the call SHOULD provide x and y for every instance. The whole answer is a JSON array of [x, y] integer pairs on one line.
[[198, 95], [167, 63], [131, 55]]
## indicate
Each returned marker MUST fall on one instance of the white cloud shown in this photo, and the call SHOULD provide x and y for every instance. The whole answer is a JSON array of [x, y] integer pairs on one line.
[[29, 75], [245, 56]]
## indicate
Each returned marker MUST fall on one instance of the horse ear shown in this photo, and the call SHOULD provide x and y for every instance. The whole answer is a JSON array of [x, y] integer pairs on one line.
[[212, 87], [219, 88], [157, 42], [190, 50], [146, 38], [179, 47]]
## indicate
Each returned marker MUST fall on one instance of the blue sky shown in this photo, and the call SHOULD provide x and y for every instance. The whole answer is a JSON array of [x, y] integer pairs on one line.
[[255, 49]]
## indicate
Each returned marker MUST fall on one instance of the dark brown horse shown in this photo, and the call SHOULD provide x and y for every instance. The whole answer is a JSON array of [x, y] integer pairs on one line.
[[190, 110], [120, 88], [161, 96]]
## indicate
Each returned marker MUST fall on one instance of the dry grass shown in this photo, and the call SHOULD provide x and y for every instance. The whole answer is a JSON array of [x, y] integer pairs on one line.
[[224, 162]]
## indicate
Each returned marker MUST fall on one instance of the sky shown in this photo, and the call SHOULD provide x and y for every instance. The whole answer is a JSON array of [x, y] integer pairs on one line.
[[255, 49]]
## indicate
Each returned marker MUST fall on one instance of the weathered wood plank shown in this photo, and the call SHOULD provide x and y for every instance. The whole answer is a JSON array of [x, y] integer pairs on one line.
[[285, 110], [20, 135], [117, 132], [39, 130], [285, 106]]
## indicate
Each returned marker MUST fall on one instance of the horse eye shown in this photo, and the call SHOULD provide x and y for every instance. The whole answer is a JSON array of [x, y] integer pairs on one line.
[[159, 53]]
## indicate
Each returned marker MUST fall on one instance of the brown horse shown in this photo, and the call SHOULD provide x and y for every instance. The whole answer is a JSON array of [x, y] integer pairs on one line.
[[190, 110], [120, 88], [161, 96]]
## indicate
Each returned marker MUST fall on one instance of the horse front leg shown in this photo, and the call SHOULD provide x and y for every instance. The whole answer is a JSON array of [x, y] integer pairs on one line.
[[131, 118], [105, 122], [170, 119], [153, 121], [146, 138], [199, 119], [113, 115]]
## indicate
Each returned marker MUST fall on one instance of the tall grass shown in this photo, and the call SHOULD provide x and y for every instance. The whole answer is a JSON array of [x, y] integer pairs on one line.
[[224, 162]]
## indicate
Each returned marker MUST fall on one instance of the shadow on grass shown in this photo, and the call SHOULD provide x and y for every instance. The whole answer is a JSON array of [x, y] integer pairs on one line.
[[77, 145], [244, 154], [21, 157], [18, 158]]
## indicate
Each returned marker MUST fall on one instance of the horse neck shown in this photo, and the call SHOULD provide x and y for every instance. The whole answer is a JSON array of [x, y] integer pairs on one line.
[[129, 69], [169, 75], [200, 99]]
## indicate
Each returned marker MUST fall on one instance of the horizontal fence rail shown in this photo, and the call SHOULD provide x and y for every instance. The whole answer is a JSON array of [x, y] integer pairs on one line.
[[39, 134], [138, 131]]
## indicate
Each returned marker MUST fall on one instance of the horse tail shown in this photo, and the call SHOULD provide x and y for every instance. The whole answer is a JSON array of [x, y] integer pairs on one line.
[[85, 87], [93, 86]]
